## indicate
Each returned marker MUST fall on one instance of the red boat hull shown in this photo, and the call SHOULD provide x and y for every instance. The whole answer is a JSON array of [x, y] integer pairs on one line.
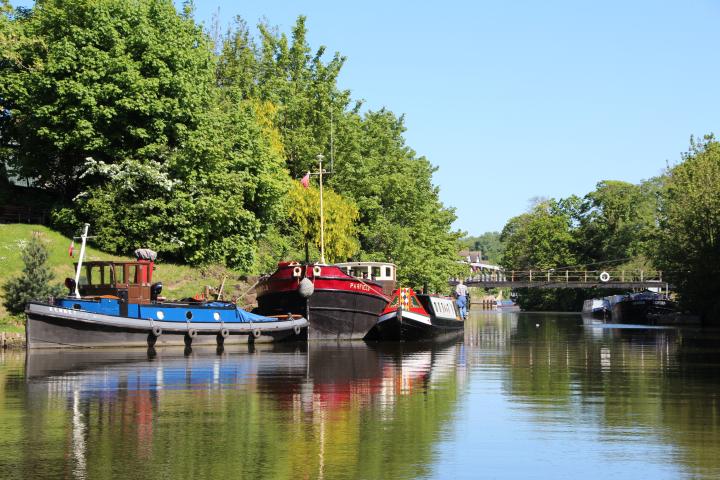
[[341, 307]]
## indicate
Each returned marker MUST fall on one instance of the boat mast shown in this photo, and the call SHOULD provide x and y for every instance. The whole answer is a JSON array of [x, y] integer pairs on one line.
[[322, 214], [80, 260]]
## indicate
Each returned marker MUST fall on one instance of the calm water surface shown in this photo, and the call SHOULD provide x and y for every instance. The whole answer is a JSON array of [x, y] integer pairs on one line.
[[520, 396]]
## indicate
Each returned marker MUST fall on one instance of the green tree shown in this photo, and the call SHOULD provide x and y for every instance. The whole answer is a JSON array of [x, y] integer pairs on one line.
[[617, 220], [688, 243], [208, 203], [34, 282], [539, 239], [400, 215], [106, 79], [542, 239], [303, 87], [488, 243]]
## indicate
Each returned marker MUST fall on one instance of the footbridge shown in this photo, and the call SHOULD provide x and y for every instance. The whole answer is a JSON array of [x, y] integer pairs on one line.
[[496, 277]]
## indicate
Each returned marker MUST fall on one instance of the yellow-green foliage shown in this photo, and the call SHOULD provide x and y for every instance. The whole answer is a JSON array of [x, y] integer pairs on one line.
[[303, 207], [178, 280]]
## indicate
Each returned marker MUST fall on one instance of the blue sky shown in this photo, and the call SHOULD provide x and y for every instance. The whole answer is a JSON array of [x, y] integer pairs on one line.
[[513, 100]]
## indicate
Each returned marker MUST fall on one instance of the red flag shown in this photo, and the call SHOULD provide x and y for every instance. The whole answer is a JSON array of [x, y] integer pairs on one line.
[[72, 247], [305, 180]]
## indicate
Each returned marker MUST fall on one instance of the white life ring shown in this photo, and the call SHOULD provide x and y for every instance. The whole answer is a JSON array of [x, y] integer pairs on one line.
[[297, 271], [604, 277], [316, 271]]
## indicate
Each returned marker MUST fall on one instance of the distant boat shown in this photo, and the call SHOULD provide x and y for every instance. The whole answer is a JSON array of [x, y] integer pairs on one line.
[[596, 307], [411, 316], [645, 307], [507, 306], [642, 307]]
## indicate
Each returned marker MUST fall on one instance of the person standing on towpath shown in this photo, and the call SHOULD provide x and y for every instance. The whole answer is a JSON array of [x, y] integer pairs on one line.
[[461, 292]]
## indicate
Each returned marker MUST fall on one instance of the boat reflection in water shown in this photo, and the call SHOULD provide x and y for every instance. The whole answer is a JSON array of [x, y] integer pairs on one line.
[[285, 410]]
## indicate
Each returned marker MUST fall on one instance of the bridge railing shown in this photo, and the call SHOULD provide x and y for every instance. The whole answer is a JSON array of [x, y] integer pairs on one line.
[[567, 276]]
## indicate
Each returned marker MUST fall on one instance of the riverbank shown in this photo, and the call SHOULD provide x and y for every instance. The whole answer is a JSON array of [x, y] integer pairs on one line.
[[12, 340]]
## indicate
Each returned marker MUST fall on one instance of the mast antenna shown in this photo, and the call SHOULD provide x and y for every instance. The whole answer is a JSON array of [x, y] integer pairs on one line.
[[322, 214], [332, 146]]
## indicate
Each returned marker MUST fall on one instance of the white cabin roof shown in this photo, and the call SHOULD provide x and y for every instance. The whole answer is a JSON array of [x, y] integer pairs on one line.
[[365, 264]]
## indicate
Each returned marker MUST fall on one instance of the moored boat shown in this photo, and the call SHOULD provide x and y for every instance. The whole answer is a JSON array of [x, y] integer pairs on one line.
[[338, 306], [97, 322], [596, 307], [411, 316], [643, 307], [117, 304]]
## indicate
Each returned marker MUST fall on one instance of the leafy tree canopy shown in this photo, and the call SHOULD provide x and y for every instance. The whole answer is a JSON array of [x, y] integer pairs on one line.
[[688, 242], [488, 243], [104, 79], [124, 110], [539, 239]]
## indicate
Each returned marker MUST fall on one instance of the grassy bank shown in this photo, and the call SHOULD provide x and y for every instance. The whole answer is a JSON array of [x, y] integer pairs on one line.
[[178, 280]]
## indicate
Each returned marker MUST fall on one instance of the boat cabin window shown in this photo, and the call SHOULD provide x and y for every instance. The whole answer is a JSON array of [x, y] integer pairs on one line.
[[98, 275], [359, 272], [375, 272], [120, 275], [132, 274], [388, 272]]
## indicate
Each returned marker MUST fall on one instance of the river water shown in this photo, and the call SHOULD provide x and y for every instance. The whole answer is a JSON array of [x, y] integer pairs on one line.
[[519, 396]]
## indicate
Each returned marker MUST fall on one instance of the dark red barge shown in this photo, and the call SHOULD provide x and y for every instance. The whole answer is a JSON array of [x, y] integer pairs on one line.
[[341, 302]]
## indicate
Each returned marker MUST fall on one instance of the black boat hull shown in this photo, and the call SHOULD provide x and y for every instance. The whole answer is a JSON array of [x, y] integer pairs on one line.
[[394, 327], [50, 331], [332, 314], [642, 311]]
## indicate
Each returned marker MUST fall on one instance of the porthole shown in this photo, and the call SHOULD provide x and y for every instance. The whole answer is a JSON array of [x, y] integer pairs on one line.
[[188, 315], [216, 316], [160, 315], [76, 306]]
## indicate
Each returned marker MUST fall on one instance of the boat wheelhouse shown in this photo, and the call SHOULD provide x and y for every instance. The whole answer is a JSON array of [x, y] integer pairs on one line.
[[382, 273]]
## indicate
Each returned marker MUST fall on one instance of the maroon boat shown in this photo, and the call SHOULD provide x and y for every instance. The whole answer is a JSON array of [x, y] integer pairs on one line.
[[338, 306]]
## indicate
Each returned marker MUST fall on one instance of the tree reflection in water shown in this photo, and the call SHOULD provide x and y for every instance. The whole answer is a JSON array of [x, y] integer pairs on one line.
[[277, 412], [520, 395]]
